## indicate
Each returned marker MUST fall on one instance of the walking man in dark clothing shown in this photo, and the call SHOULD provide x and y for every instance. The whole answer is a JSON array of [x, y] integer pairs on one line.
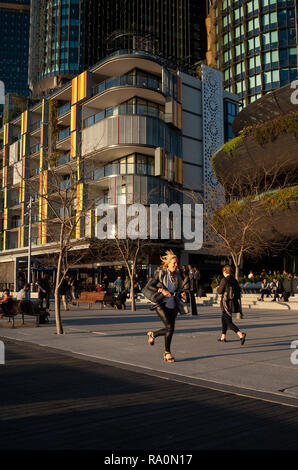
[[192, 288], [197, 277], [230, 303], [44, 291]]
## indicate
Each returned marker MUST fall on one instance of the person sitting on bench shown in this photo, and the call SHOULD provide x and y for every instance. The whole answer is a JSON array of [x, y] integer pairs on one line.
[[6, 306], [265, 289], [277, 288], [24, 294], [120, 300]]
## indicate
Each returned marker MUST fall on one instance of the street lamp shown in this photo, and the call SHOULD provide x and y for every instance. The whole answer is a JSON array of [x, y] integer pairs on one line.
[[29, 207]]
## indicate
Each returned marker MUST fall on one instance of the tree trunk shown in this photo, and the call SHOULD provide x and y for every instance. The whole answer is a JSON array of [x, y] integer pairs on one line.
[[59, 327], [237, 267], [132, 296]]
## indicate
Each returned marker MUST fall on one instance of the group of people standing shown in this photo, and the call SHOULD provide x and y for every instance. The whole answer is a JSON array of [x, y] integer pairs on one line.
[[168, 288]]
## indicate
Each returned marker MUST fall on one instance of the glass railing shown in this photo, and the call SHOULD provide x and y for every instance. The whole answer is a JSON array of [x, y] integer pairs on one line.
[[125, 109], [15, 223], [145, 169], [128, 80], [63, 109], [63, 134], [14, 202], [34, 149], [66, 184], [34, 172], [63, 160], [35, 126]]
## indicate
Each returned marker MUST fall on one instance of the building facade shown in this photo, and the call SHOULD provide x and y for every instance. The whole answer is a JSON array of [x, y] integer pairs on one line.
[[254, 43], [128, 130], [69, 36]]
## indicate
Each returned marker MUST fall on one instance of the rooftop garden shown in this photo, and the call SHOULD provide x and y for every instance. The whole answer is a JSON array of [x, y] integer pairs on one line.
[[263, 133]]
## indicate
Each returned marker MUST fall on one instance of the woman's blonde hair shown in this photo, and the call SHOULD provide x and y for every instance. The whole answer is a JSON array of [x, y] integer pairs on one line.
[[167, 258]]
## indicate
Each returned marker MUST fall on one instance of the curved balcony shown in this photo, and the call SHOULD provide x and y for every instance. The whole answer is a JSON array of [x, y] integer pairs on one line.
[[117, 136], [115, 90], [145, 109]]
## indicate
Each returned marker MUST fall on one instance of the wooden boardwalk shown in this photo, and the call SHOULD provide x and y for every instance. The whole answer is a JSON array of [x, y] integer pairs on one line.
[[53, 401]]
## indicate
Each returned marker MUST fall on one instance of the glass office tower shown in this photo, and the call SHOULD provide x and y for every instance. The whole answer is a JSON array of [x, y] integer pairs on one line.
[[174, 29], [14, 40], [254, 44], [68, 36], [56, 38]]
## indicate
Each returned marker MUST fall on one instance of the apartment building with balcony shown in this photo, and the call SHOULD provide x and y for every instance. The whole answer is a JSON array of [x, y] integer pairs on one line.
[[129, 130]]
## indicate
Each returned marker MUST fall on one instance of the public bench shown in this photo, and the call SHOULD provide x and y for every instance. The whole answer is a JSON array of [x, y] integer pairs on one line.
[[31, 308], [91, 298], [27, 307]]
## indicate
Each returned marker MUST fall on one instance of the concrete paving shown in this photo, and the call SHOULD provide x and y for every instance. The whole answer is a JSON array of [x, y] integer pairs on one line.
[[261, 368]]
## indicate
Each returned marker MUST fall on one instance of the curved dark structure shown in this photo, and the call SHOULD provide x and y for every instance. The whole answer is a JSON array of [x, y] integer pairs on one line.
[[266, 143], [260, 165]]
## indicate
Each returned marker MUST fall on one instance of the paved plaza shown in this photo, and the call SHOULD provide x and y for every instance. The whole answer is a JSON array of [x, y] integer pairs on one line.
[[262, 367], [100, 386]]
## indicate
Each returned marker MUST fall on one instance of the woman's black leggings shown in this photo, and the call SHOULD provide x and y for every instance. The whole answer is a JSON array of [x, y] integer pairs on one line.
[[168, 317], [227, 322]]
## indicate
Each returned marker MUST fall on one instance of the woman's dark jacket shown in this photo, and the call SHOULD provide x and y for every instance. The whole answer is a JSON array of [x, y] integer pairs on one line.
[[229, 284], [160, 280]]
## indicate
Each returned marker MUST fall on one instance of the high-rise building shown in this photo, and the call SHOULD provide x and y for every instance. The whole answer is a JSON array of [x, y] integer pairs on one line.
[[128, 130], [68, 36], [56, 38], [14, 40], [254, 43]]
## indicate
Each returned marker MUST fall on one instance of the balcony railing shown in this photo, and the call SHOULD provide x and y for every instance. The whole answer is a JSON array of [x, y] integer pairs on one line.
[[63, 160], [15, 223], [14, 202], [35, 126], [128, 80], [125, 109], [34, 149], [34, 172], [63, 134], [63, 109]]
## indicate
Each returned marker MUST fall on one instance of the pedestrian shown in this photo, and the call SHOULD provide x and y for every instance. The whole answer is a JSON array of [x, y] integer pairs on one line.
[[127, 284], [105, 282], [63, 292], [44, 291], [230, 303], [197, 277], [120, 300], [119, 285], [164, 291], [184, 270], [191, 276]]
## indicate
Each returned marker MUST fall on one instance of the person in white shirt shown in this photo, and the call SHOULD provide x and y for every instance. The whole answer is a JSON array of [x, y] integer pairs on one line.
[[24, 294]]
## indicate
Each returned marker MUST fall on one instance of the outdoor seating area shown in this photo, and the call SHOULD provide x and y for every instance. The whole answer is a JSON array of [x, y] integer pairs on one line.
[[91, 298]]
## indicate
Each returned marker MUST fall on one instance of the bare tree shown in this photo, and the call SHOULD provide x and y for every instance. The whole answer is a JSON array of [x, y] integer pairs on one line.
[[124, 250], [242, 224]]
